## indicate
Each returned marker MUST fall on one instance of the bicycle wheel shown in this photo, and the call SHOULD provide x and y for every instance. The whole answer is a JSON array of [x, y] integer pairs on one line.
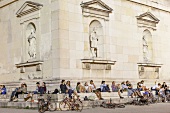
[[120, 106], [78, 105], [52, 106], [41, 108], [64, 106]]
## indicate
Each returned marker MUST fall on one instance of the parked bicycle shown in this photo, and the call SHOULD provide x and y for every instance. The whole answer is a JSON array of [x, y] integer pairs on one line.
[[46, 105], [71, 104], [112, 105]]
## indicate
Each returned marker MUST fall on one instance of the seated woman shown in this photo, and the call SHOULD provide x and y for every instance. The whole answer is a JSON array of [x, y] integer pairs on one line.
[[88, 89], [116, 88], [80, 88], [3, 90], [70, 89], [162, 93], [129, 89], [43, 88]]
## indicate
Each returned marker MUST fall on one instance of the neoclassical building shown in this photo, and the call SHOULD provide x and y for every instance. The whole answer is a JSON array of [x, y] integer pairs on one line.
[[79, 40]]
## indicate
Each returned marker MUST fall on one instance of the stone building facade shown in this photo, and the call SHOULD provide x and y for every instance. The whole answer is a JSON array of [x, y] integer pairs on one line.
[[80, 40]]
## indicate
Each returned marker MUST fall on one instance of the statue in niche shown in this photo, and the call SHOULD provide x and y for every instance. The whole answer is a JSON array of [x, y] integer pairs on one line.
[[32, 44], [94, 42], [145, 50]]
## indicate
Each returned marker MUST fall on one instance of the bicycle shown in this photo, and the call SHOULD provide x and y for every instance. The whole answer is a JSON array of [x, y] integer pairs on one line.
[[71, 104], [46, 105], [112, 105]]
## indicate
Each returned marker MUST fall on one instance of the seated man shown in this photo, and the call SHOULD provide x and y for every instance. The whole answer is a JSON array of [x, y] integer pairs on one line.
[[3, 90], [96, 91], [104, 87], [116, 88], [63, 87], [20, 90]]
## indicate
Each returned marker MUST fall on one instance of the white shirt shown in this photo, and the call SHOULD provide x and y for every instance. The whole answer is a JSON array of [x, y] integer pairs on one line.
[[92, 86]]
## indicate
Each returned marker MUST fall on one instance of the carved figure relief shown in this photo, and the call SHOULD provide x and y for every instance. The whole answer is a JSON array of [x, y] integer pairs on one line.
[[31, 40], [96, 39], [93, 42], [147, 46], [145, 49]]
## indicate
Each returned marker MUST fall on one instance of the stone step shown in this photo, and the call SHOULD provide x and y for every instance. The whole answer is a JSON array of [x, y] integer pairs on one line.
[[34, 105]]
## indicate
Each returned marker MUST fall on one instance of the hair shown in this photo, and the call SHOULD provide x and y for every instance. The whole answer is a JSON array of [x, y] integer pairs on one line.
[[91, 80], [78, 83], [37, 83], [62, 81], [159, 84], [103, 82], [67, 83], [25, 84], [3, 86], [123, 82], [44, 83], [85, 83]]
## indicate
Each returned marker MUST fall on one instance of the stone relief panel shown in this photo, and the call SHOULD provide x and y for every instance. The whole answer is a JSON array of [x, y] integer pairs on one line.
[[147, 46], [146, 72], [31, 41], [96, 39]]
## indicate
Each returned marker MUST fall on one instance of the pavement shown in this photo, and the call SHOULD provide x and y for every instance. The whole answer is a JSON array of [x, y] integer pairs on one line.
[[154, 108]]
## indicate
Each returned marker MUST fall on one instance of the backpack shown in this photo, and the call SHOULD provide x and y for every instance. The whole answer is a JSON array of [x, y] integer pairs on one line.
[[55, 91]]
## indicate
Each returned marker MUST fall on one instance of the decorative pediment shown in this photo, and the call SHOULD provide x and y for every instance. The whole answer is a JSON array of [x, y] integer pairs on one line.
[[28, 7], [96, 7], [147, 20]]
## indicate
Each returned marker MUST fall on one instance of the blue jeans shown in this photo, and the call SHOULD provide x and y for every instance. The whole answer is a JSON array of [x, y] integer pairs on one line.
[[70, 92], [105, 89]]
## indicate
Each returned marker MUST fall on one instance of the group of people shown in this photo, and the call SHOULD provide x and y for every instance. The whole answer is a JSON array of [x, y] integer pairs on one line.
[[40, 89], [2, 89], [141, 90], [65, 87]]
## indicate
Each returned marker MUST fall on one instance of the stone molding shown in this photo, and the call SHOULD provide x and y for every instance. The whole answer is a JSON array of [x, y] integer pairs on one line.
[[149, 70], [4, 3], [22, 66], [28, 7], [149, 64], [97, 64], [96, 8], [151, 4], [147, 20]]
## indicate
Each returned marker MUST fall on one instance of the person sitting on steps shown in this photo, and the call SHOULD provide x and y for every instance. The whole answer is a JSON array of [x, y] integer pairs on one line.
[[116, 88], [96, 91], [104, 87]]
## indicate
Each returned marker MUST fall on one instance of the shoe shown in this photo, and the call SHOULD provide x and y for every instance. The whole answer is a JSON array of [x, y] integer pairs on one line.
[[15, 100], [109, 91], [101, 99], [121, 91], [121, 97]]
